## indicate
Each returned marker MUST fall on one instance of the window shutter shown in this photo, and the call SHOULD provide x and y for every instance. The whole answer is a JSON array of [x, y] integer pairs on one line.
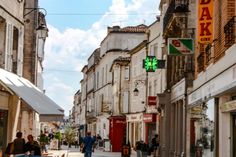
[[9, 42], [127, 73], [20, 52], [126, 102]]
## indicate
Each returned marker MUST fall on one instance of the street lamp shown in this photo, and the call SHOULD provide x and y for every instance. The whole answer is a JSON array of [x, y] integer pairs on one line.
[[136, 91], [42, 31], [137, 82]]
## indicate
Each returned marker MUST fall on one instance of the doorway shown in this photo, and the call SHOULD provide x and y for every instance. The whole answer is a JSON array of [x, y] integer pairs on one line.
[[3, 130], [234, 135]]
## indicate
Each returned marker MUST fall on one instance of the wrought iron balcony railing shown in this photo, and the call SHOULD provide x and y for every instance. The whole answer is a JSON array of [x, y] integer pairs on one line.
[[175, 6], [229, 30]]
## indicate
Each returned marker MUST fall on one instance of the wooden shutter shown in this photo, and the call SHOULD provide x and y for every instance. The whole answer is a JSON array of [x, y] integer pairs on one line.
[[8, 48], [20, 52], [126, 102]]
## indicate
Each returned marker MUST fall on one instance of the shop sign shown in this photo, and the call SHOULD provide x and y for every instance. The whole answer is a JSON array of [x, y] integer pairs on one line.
[[134, 117], [152, 100], [219, 84], [229, 106], [178, 90], [205, 21], [149, 118], [180, 46]]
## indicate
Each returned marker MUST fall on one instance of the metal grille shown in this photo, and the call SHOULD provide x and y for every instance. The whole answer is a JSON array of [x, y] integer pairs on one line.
[[229, 30]]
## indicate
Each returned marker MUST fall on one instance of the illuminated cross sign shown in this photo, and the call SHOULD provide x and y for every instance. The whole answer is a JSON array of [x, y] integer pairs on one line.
[[150, 63]]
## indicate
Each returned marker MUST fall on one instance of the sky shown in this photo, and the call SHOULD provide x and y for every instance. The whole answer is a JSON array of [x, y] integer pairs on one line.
[[76, 29]]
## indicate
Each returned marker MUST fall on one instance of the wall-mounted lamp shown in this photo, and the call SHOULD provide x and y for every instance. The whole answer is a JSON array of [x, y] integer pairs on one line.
[[42, 31], [136, 83]]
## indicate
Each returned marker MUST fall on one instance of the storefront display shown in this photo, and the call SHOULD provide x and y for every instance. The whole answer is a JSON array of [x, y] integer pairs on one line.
[[202, 134]]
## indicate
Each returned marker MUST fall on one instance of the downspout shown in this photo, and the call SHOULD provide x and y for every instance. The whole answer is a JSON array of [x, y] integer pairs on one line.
[[119, 100]]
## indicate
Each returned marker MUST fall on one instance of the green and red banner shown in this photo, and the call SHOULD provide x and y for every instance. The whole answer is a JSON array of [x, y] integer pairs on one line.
[[180, 46]]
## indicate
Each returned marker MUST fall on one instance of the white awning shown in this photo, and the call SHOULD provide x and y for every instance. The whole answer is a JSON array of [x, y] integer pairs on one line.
[[32, 95]]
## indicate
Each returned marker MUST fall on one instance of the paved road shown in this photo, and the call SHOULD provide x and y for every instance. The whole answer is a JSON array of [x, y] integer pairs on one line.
[[74, 152]]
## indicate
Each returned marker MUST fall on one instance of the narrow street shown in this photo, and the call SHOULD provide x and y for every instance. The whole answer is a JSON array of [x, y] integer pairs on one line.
[[75, 152]]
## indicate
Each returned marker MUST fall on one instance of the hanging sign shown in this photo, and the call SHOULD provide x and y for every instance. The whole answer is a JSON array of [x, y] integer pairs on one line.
[[205, 21], [180, 46]]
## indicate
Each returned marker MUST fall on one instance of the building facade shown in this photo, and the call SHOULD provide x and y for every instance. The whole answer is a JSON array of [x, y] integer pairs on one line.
[[211, 114], [117, 43], [178, 19]]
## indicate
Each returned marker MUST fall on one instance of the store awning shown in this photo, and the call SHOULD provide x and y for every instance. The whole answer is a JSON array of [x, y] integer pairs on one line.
[[32, 96]]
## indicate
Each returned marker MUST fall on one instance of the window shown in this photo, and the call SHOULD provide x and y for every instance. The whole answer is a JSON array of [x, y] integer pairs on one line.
[[127, 73], [103, 73], [97, 80], [156, 50]]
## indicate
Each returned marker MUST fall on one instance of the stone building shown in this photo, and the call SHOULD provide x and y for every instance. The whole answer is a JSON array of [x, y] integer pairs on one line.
[[211, 113], [90, 107], [22, 105], [178, 19], [117, 43]]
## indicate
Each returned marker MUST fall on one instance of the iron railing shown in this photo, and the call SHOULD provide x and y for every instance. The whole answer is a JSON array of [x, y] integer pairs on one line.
[[229, 30], [175, 6]]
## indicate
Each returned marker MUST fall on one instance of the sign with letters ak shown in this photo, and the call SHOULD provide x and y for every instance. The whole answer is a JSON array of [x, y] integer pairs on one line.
[[205, 21]]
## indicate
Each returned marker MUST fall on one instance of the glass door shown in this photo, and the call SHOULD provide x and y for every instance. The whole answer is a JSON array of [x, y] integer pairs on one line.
[[3, 130]]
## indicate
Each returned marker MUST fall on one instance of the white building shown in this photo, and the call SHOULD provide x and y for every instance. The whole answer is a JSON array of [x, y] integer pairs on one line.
[[117, 42]]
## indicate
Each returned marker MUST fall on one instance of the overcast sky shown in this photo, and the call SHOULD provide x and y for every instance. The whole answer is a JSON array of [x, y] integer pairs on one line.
[[76, 28]]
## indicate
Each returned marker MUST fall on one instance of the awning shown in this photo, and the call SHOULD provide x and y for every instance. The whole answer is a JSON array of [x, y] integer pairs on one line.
[[32, 95]]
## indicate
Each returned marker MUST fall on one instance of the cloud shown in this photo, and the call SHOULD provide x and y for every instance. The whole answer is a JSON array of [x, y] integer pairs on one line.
[[66, 52]]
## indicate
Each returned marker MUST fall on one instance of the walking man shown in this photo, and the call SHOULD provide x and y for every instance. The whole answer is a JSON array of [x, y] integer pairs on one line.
[[88, 145]]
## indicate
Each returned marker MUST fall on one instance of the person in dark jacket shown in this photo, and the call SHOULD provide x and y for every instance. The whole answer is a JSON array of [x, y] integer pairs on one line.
[[88, 144], [155, 145], [32, 147], [19, 143]]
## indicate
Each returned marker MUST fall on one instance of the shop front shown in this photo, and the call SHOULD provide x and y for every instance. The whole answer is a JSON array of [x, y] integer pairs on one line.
[[22, 107], [135, 128], [150, 126], [177, 119], [211, 113]]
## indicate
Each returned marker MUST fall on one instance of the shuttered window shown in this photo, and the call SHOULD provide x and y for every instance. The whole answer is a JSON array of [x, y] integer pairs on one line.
[[20, 52], [9, 44]]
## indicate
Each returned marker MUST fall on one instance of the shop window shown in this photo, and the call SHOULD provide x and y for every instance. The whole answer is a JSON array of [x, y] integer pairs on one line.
[[202, 130]]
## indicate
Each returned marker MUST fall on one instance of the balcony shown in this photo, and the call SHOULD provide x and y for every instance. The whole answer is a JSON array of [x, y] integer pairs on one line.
[[229, 30], [176, 7]]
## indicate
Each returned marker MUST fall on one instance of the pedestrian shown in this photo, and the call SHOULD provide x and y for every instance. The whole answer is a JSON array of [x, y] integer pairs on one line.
[[155, 145], [18, 145], [51, 136], [32, 147], [88, 145], [43, 139], [138, 146]]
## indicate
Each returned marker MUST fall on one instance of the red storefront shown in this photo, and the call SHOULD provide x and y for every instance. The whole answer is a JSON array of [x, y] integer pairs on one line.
[[117, 132], [150, 126]]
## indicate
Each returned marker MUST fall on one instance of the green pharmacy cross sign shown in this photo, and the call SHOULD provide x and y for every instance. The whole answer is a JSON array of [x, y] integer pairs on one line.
[[151, 64]]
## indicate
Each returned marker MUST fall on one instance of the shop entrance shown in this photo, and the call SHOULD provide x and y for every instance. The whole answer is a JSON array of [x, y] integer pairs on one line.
[[3, 130], [234, 135]]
